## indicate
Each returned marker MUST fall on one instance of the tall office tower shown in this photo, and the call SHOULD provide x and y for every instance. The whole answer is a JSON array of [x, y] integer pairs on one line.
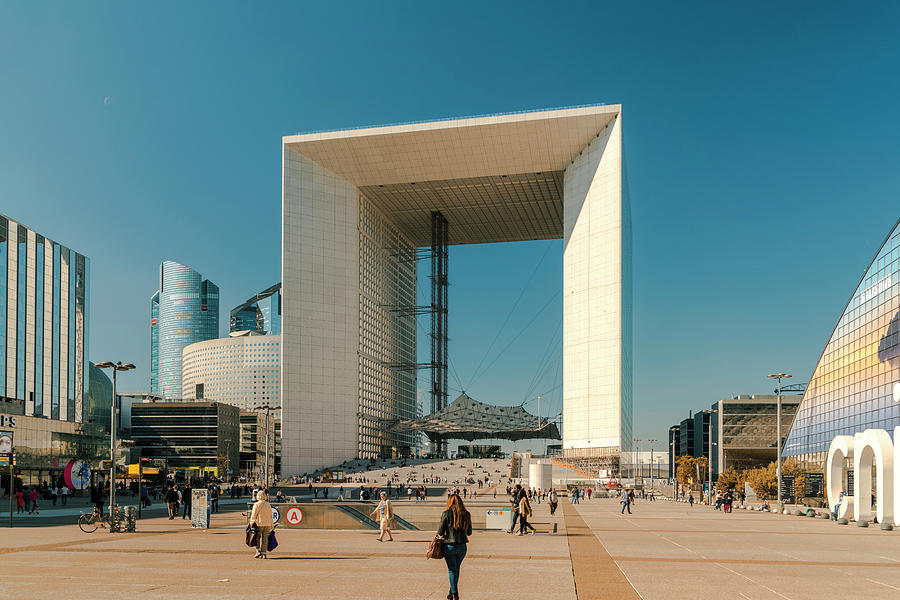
[[260, 314], [44, 299], [183, 311]]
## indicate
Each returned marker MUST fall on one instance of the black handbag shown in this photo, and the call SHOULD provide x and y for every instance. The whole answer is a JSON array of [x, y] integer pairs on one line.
[[252, 535]]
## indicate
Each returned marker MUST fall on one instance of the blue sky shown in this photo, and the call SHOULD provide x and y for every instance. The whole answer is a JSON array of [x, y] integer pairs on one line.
[[761, 140]]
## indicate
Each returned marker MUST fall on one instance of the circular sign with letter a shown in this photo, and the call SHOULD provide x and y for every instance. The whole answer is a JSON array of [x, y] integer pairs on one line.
[[275, 515], [294, 515]]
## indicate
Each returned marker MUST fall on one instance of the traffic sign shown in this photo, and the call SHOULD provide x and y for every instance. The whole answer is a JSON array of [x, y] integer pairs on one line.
[[294, 515], [275, 515]]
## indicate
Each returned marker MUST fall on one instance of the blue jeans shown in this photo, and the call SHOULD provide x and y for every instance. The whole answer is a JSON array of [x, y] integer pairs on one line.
[[454, 555], [626, 505]]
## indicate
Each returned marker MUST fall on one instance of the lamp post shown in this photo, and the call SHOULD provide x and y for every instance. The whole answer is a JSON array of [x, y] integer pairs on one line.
[[634, 454], [116, 367], [779, 377], [651, 461], [672, 469], [267, 408]]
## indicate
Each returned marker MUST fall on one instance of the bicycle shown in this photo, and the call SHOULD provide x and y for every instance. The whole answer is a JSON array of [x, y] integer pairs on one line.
[[89, 523]]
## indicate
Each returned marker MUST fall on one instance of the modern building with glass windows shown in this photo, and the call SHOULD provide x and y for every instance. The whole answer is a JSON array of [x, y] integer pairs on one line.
[[358, 205], [44, 324], [856, 383], [260, 314], [243, 370], [183, 311]]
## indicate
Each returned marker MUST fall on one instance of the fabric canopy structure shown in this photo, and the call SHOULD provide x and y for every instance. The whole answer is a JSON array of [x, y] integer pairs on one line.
[[468, 419]]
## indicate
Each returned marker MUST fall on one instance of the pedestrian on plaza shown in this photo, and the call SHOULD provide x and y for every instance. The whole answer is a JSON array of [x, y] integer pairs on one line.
[[524, 513], [34, 501], [691, 500], [385, 513], [626, 502], [54, 492], [216, 491], [261, 516], [188, 500], [589, 491], [171, 500], [455, 527], [553, 499], [516, 496], [20, 502], [64, 493]]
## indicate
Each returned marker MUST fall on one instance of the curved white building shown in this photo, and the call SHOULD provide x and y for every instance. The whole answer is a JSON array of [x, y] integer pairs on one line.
[[242, 370]]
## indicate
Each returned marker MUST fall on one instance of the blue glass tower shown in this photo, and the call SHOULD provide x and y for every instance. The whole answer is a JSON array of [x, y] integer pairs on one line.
[[261, 313], [183, 311]]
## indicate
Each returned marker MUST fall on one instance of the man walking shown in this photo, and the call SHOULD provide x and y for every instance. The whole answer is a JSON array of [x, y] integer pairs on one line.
[[626, 502], [187, 500]]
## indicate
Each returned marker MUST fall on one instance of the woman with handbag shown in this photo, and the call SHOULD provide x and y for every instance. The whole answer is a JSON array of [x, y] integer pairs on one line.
[[455, 527], [261, 516], [385, 514]]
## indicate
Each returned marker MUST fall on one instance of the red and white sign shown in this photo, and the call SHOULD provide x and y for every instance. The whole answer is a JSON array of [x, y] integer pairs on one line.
[[294, 515]]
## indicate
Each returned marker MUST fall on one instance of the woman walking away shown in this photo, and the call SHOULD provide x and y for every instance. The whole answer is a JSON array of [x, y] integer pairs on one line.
[[553, 499], [262, 518], [455, 527], [385, 513], [524, 513]]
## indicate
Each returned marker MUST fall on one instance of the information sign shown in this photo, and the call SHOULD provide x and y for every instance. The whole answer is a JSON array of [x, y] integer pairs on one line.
[[275, 515], [814, 485], [787, 488], [499, 519], [200, 508], [293, 515]]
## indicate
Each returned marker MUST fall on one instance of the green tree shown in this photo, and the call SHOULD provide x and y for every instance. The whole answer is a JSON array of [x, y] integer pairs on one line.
[[763, 481], [730, 479]]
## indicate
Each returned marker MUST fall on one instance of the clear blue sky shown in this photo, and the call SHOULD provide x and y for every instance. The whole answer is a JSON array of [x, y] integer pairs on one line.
[[761, 140]]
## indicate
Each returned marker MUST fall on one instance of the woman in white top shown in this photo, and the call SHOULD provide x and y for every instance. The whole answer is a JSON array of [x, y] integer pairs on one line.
[[385, 513], [262, 517]]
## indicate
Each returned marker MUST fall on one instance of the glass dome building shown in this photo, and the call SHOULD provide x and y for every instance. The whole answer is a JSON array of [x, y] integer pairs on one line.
[[856, 383]]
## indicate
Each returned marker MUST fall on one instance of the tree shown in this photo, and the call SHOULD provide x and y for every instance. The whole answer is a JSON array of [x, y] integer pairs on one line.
[[690, 470], [731, 479], [763, 481]]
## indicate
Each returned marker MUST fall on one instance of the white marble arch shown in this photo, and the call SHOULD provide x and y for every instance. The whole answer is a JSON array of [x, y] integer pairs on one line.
[[873, 446], [841, 449]]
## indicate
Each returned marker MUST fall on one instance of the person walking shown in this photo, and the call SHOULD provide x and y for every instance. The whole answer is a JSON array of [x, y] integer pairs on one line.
[[455, 528], [517, 493], [34, 501], [261, 516], [553, 499], [385, 514], [171, 500], [64, 493], [54, 492], [626, 502], [187, 500], [524, 513], [20, 502], [691, 500]]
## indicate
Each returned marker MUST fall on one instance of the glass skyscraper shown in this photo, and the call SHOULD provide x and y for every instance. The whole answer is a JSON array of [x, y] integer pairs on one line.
[[184, 310], [260, 314], [44, 298]]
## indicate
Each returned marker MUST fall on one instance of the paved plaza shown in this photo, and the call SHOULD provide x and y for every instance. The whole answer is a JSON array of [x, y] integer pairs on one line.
[[664, 550]]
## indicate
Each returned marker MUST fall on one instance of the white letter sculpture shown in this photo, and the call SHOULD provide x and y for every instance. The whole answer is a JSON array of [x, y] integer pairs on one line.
[[873, 445], [841, 449]]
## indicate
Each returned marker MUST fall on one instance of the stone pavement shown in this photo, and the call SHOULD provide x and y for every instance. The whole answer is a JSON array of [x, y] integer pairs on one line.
[[668, 550], [664, 550]]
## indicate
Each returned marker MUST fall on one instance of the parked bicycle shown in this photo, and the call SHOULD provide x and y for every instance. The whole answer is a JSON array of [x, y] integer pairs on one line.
[[89, 523]]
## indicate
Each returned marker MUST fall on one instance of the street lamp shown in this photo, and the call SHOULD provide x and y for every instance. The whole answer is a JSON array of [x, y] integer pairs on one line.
[[779, 377], [266, 408], [116, 367], [711, 444], [634, 454], [651, 461]]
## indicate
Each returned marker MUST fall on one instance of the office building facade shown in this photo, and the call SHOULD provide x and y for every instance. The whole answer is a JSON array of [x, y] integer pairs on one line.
[[358, 203], [44, 323], [183, 311], [260, 314], [856, 383], [194, 438], [241, 370], [745, 430]]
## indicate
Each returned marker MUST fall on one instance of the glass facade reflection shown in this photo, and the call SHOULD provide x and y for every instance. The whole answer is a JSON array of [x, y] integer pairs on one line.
[[260, 314], [34, 300], [852, 387], [185, 310]]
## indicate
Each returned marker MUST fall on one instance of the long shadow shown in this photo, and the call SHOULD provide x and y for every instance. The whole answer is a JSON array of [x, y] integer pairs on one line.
[[318, 558]]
